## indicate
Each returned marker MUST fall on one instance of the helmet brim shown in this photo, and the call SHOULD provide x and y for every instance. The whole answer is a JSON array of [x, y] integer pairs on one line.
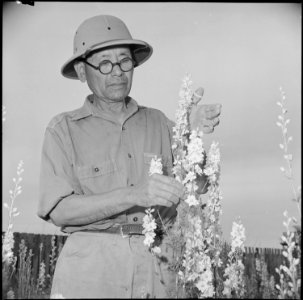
[[141, 51]]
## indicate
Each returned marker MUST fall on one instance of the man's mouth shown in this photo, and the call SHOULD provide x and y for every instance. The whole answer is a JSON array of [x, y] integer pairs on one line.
[[117, 83]]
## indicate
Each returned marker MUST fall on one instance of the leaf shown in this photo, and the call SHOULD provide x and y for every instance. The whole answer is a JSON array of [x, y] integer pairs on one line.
[[285, 269], [279, 124], [294, 219], [288, 156], [16, 214], [5, 205], [289, 293], [285, 224], [281, 146], [296, 261], [279, 103]]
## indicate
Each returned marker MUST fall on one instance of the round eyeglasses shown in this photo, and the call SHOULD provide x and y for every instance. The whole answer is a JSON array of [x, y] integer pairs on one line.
[[106, 66]]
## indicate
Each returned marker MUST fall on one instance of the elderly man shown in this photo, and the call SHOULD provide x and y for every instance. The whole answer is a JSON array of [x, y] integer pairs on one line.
[[94, 171]]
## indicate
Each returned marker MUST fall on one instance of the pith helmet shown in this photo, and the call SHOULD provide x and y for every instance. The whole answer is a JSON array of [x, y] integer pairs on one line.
[[100, 32]]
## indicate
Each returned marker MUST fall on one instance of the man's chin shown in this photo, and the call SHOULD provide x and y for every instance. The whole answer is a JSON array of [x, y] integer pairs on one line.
[[114, 99], [117, 97]]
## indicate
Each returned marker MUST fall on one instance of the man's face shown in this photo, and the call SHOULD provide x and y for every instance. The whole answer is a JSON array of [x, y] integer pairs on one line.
[[114, 86]]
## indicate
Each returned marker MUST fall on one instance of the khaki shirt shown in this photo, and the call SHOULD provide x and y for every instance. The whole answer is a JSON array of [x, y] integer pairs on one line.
[[87, 151]]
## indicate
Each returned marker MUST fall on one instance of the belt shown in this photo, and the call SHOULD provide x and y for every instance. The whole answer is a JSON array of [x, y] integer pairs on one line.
[[124, 229]]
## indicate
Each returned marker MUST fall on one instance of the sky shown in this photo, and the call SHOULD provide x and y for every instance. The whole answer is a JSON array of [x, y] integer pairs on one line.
[[240, 53]]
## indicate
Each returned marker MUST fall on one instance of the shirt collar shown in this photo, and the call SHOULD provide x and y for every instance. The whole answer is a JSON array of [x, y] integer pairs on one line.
[[89, 109]]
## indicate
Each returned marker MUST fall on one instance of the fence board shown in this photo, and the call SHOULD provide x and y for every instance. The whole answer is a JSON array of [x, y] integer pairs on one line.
[[272, 256]]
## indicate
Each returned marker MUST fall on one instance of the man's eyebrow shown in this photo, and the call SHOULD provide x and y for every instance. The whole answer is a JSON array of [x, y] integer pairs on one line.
[[122, 53], [125, 53], [104, 55]]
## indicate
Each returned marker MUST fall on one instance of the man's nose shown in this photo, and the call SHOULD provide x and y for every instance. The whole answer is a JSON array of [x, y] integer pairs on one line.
[[117, 70]]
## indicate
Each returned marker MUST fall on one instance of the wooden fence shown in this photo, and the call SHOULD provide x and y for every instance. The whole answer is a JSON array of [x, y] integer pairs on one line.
[[273, 257]]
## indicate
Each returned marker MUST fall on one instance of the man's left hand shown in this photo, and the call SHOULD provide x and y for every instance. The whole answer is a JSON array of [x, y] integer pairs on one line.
[[205, 117]]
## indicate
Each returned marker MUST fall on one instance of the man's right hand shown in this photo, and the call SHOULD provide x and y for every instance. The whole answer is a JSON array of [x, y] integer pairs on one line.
[[158, 190]]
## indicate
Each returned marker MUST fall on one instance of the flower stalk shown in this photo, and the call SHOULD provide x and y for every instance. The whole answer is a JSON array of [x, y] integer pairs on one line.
[[149, 222], [196, 234], [288, 157], [8, 239], [234, 272], [290, 271]]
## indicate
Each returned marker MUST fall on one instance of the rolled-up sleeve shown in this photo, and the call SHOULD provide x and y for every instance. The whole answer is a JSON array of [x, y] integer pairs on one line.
[[170, 126], [56, 174]]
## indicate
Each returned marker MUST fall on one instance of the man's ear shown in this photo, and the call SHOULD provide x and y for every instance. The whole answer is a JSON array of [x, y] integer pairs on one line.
[[80, 70]]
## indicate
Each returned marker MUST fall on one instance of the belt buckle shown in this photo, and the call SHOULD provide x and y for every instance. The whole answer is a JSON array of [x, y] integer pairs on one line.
[[130, 231], [121, 231]]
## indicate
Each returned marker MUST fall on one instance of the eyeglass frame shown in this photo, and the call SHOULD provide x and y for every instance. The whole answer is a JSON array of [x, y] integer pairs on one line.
[[112, 64]]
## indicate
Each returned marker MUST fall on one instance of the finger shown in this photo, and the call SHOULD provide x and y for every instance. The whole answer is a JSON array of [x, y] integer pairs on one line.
[[216, 108], [197, 95], [207, 129], [215, 122], [166, 187], [210, 111], [167, 196], [170, 192], [162, 201], [213, 107], [207, 122], [167, 181], [207, 126]]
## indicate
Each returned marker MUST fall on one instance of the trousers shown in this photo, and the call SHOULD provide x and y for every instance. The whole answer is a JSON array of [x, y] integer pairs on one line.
[[104, 265]]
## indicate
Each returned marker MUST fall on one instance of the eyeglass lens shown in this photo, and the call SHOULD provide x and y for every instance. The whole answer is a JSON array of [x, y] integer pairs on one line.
[[126, 64]]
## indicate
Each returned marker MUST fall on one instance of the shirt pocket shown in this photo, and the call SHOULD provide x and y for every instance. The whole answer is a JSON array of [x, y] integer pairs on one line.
[[166, 163], [147, 160], [99, 177]]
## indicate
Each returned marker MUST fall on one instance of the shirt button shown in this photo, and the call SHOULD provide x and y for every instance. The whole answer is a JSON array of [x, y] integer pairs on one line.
[[96, 169], [135, 219], [123, 128], [131, 184], [129, 155]]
